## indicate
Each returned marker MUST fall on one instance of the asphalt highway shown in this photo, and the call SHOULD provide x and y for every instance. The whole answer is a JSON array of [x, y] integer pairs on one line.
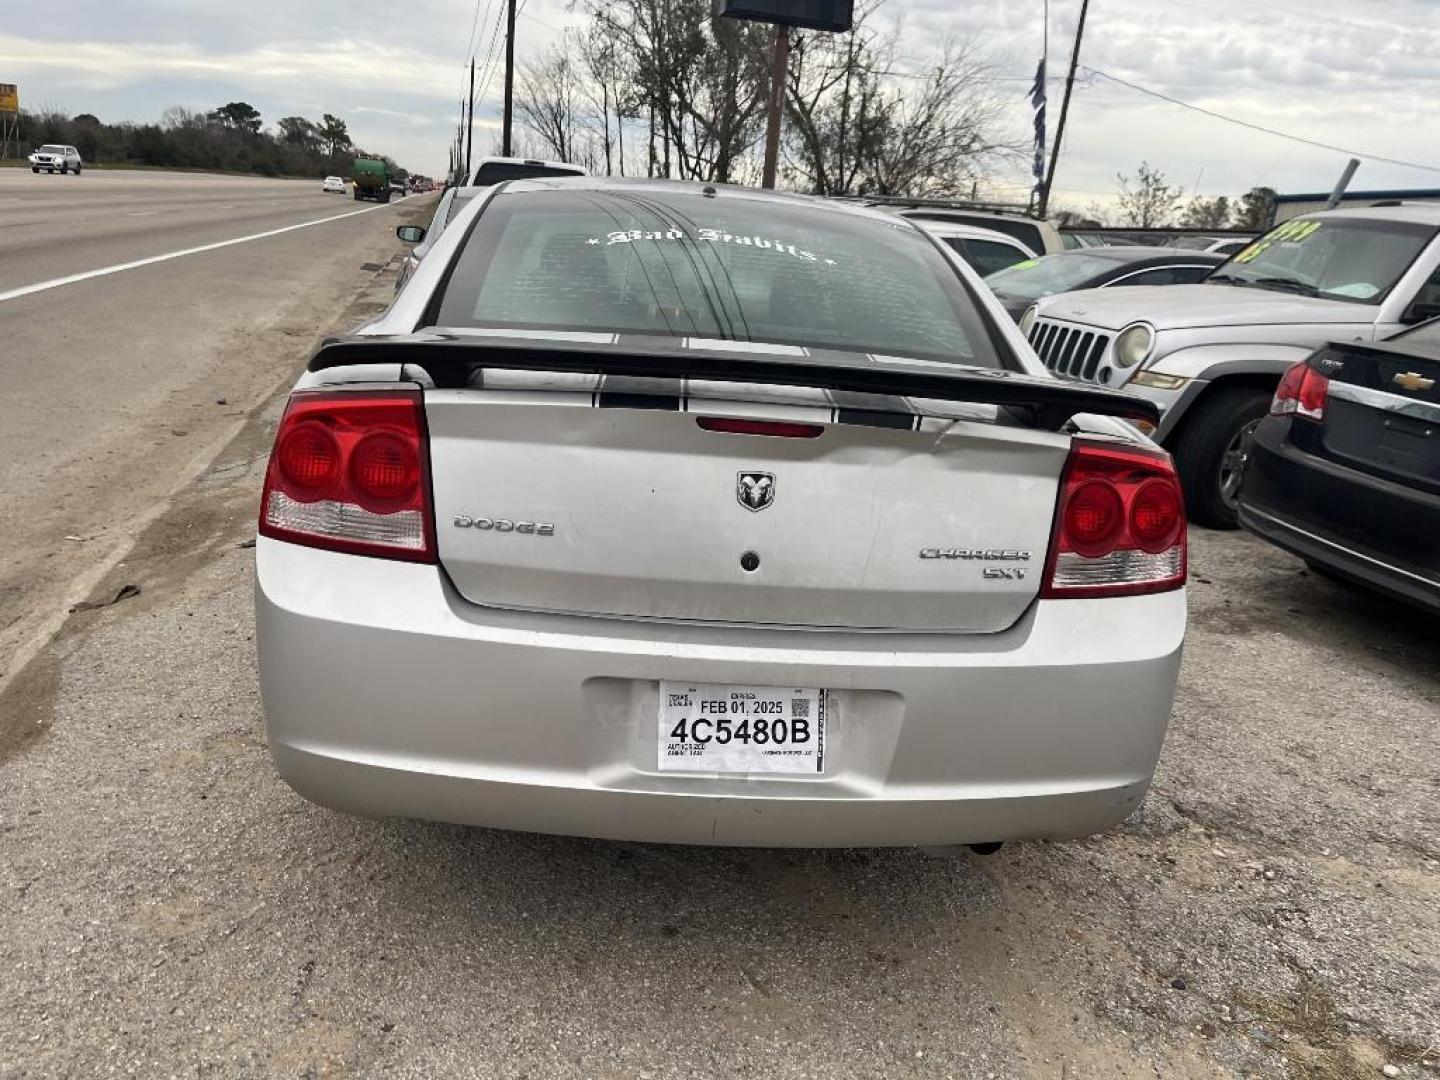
[[121, 385]]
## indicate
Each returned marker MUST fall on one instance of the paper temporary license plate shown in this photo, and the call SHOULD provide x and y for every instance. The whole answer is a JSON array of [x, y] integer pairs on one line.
[[741, 729]]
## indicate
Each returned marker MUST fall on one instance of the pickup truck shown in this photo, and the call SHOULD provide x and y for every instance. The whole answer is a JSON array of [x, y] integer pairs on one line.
[[1210, 355]]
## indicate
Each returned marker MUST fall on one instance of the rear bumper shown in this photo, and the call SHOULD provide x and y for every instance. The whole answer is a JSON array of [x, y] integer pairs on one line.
[[1362, 527], [388, 694]]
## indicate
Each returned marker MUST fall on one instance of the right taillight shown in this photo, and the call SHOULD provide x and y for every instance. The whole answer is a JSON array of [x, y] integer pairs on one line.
[[1119, 524], [1302, 392], [350, 472]]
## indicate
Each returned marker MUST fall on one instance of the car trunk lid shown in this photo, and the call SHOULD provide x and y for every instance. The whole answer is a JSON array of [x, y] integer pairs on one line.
[[1382, 411]]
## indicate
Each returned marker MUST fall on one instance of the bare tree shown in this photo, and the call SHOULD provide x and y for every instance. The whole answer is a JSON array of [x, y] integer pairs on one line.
[[607, 89], [547, 102], [698, 80], [856, 126], [939, 137], [1148, 201], [835, 108]]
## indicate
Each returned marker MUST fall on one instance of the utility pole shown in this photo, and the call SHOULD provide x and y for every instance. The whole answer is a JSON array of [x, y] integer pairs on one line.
[[509, 76], [1064, 110], [779, 63], [470, 121]]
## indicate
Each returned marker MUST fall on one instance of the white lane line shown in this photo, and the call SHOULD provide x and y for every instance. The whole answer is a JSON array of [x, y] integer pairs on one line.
[[142, 213], [55, 283]]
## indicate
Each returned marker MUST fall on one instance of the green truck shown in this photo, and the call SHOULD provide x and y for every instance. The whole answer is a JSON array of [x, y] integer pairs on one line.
[[372, 180]]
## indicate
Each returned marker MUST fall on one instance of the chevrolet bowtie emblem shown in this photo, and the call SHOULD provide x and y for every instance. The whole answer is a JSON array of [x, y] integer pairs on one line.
[[1409, 380]]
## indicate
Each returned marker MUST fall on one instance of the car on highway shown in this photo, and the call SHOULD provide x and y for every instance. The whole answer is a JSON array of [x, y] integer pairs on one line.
[[1022, 284], [56, 157], [450, 204], [1345, 469], [984, 249], [334, 184], [1211, 355], [682, 513], [496, 170]]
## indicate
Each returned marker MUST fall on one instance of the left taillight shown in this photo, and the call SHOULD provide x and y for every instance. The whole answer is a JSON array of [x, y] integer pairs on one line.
[[1302, 392], [351, 472]]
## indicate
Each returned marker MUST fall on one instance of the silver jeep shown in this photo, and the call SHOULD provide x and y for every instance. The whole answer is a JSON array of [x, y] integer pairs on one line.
[[1211, 354]]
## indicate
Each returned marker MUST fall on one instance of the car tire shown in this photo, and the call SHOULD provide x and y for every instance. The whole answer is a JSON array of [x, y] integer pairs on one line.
[[64, 169], [1210, 453], [77, 170], [35, 169]]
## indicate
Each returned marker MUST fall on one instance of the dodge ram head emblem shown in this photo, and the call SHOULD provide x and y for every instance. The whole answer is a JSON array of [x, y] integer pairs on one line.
[[755, 490]]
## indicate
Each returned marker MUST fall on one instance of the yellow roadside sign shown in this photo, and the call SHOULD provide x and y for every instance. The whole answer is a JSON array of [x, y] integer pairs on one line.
[[9, 97]]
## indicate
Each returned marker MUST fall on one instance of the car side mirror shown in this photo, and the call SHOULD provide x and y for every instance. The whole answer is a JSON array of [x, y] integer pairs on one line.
[[1419, 312], [411, 234]]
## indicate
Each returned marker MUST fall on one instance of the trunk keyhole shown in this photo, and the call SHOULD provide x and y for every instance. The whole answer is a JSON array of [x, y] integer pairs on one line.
[[749, 562]]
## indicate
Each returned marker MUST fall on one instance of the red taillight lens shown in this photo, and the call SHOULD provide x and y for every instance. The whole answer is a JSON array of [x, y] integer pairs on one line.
[[1302, 392], [776, 428], [1119, 526], [1156, 516], [351, 473], [384, 468], [1094, 516], [309, 458]]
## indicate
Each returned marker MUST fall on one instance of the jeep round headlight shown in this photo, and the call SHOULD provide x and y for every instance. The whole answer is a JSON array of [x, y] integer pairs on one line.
[[1133, 345], [1027, 321]]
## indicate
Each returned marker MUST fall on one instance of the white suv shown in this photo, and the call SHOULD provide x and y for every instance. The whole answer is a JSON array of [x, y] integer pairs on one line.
[[55, 158]]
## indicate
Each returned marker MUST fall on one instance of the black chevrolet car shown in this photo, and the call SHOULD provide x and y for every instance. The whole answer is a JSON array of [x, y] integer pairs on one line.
[[1345, 471]]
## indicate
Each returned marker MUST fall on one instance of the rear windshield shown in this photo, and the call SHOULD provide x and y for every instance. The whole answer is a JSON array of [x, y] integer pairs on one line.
[[680, 264], [1034, 278], [493, 172], [1024, 231]]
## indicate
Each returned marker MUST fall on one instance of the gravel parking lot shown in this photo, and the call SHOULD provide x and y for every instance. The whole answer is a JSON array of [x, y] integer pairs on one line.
[[169, 908]]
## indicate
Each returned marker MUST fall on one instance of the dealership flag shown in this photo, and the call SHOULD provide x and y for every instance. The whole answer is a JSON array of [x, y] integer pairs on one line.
[[1037, 100]]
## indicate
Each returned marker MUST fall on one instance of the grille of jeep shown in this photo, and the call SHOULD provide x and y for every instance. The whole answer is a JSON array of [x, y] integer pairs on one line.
[[1068, 350]]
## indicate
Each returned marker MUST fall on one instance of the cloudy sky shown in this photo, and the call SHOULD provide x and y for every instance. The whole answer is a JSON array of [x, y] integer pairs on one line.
[[1366, 78]]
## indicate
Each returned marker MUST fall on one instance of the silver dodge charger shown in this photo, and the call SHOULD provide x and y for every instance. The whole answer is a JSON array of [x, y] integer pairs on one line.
[[680, 513]]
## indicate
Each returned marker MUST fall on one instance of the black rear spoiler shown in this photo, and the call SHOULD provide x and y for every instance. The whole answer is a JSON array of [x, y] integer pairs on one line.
[[451, 361]]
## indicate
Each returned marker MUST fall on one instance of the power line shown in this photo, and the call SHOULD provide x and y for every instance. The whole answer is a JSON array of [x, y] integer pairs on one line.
[[1259, 127], [492, 54], [470, 44], [474, 23]]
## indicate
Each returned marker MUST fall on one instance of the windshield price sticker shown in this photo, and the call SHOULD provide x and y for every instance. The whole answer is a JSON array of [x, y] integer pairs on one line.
[[741, 729]]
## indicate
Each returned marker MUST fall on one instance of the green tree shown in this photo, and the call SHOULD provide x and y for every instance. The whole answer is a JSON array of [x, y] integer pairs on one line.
[[238, 116], [1256, 209], [334, 135], [1205, 213], [297, 131]]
